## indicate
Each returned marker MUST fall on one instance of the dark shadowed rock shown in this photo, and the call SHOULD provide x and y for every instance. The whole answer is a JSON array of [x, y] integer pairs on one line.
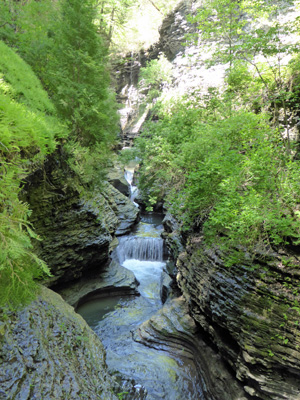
[[76, 230], [250, 314], [112, 279], [174, 29]]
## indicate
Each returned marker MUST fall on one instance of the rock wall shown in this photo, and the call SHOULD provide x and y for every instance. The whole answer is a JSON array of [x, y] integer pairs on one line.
[[173, 330], [250, 314], [48, 352], [76, 230]]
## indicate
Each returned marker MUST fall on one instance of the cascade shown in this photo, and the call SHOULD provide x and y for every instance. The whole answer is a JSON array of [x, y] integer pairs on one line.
[[156, 373], [133, 189], [140, 248]]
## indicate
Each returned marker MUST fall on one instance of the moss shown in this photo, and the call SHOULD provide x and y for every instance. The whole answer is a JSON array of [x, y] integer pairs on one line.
[[171, 366]]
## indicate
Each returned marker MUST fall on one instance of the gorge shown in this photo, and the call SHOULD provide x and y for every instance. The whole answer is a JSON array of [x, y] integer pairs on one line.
[[174, 311]]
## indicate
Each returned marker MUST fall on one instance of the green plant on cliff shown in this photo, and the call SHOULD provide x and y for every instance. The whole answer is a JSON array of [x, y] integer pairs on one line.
[[27, 27], [66, 46], [221, 164], [253, 32], [154, 76], [231, 176], [29, 131]]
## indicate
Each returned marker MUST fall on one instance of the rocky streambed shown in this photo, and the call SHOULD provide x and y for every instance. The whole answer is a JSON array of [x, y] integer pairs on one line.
[[116, 318]]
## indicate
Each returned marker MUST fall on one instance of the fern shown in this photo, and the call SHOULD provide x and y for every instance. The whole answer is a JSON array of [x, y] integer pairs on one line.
[[29, 131]]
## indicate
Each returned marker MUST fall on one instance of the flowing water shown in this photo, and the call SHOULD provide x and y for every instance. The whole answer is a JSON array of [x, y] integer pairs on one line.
[[115, 319], [129, 173]]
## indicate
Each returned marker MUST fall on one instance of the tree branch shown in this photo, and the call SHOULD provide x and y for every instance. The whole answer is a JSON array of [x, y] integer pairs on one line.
[[155, 6]]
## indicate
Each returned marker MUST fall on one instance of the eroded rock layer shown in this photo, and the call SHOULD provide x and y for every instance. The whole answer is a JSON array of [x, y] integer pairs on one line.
[[76, 231], [48, 352], [173, 330], [250, 314]]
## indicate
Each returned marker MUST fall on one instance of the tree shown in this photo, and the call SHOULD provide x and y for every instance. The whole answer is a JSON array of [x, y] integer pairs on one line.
[[251, 32], [78, 76]]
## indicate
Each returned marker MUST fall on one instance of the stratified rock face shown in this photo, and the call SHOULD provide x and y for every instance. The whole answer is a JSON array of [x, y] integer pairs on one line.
[[48, 352], [251, 314], [112, 279], [125, 211], [174, 29], [173, 330], [76, 232]]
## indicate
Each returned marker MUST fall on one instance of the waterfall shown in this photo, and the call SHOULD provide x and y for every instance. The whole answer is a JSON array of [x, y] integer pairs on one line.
[[140, 248], [133, 189]]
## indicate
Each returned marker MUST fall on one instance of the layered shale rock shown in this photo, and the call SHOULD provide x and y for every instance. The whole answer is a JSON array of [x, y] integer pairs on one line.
[[250, 314], [48, 352], [113, 279], [172, 329], [76, 230]]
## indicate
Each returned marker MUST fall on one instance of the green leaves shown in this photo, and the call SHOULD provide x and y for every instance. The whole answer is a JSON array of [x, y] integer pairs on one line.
[[157, 73], [28, 134], [230, 176], [78, 77]]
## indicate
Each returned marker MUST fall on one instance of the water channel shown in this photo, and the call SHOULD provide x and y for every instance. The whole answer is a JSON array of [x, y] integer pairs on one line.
[[156, 373]]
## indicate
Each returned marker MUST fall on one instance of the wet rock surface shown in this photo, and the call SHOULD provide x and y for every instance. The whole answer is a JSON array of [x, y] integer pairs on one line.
[[250, 314], [173, 330], [162, 376], [48, 352], [111, 280]]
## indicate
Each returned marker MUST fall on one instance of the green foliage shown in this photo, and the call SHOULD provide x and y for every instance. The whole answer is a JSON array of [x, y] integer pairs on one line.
[[133, 25], [27, 26], [61, 41], [232, 176], [242, 30], [21, 84], [27, 136], [78, 77], [121, 395], [251, 32], [157, 73], [89, 163]]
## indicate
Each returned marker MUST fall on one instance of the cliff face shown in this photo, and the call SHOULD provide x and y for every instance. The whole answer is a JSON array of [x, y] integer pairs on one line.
[[250, 314], [76, 230], [48, 352]]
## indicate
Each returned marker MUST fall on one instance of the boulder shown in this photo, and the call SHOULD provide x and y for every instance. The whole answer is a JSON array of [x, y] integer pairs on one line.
[[117, 180]]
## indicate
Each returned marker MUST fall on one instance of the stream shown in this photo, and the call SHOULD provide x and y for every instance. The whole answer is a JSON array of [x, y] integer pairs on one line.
[[156, 374]]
